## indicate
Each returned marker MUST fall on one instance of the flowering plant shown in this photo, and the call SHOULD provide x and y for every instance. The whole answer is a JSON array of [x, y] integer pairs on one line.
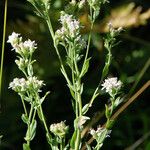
[[74, 44]]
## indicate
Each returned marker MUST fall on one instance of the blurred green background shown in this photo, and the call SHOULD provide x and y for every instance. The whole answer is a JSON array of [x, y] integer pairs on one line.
[[129, 58]]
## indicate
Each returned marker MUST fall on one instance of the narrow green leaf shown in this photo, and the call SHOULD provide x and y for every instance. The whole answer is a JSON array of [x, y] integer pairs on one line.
[[107, 64], [85, 109], [30, 70], [102, 137], [24, 118], [107, 112], [33, 129], [73, 139], [39, 114], [85, 68]]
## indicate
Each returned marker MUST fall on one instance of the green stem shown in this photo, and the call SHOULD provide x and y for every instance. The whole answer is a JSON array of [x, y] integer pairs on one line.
[[77, 143], [88, 46], [3, 48], [24, 106], [34, 113], [29, 122], [79, 100], [48, 21], [43, 118]]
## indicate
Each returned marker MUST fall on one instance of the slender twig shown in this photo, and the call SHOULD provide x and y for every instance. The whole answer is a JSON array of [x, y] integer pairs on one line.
[[142, 72], [131, 100]]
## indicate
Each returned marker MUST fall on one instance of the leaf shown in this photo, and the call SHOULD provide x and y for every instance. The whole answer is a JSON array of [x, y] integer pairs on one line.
[[39, 114], [85, 68], [81, 89], [107, 112], [72, 93], [102, 136], [85, 109], [107, 64], [105, 70], [26, 147], [43, 98], [30, 70], [73, 105], [117, 102], [73, 139], [31, 131], [24, 118]]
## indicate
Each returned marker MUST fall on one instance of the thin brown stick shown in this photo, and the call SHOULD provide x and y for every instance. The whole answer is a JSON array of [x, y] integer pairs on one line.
[[138, 142], [122, 108], [133, 98]]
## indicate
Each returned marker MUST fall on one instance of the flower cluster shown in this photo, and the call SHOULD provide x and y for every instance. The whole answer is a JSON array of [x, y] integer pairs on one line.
[[96, 3], [100, 134], [111, 84], [95, 6], [59, 129], [34, 83], [80, 3], [25, 49], [23, 85], [18, 85], [114, 32], [70, 30]]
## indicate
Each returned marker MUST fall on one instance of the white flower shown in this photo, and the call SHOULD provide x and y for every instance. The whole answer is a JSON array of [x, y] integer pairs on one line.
[[14, 39], [114, 32], [18, 85], [81, 3], [59, 129], [34, 83], [111, 84], [27, 48], [22, 63], [70, 32], [23, 48], [82, 120], [81, 43], [65, 18], [100, 134], [70, 28], [31, 45]]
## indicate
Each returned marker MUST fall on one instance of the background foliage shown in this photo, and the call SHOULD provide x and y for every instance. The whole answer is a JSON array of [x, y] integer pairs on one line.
[[130, 57]]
